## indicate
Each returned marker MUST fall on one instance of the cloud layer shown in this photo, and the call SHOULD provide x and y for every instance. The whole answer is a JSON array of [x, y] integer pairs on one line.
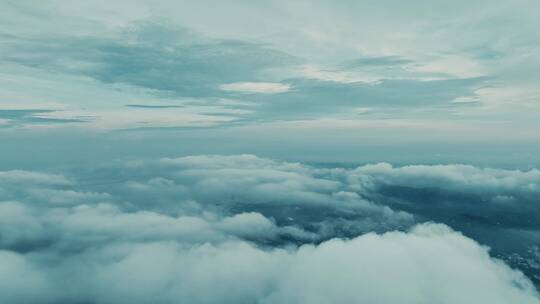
[[292, 66], [429, 263], [243, 229]]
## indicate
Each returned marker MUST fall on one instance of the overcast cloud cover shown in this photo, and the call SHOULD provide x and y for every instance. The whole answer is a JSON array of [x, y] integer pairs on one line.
[[443, 81], [269, 151]]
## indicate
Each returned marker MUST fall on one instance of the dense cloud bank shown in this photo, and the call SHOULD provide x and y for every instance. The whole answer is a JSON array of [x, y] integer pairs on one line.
[[429, 264], [242, 229]]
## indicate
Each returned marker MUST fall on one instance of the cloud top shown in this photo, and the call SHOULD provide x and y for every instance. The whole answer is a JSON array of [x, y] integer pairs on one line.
[[244, 229]]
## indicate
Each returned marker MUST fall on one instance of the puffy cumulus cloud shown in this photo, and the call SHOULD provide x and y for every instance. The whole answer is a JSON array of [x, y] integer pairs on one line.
[[42, 189], [254, 226], [19, 227], [21, 280], [507, 197], [326, 201], [430, 263], [247, 178], [56, 196], [291, 193], [29, 177], [231, 161], [454, 177], [495, 206], [181, 227], [261, 200], [25, 229]]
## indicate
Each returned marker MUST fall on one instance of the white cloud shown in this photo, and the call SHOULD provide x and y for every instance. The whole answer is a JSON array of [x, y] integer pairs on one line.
[[29, 177], [463, 178], [431, 263], [230, 229], [256, 87], [313, 72], [21, 281]]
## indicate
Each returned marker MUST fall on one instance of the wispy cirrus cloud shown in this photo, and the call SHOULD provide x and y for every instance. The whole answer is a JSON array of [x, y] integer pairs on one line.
[[167, 63], [19, 117]]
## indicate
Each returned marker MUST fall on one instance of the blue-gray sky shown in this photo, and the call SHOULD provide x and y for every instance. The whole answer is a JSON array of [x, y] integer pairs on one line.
[[436, 81]]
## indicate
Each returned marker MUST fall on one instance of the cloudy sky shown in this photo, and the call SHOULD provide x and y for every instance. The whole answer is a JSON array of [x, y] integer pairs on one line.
[[352, 81], [269, 151]]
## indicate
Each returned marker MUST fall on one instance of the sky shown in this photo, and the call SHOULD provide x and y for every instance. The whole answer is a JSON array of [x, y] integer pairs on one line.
[[269, 152], [440, 81]]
